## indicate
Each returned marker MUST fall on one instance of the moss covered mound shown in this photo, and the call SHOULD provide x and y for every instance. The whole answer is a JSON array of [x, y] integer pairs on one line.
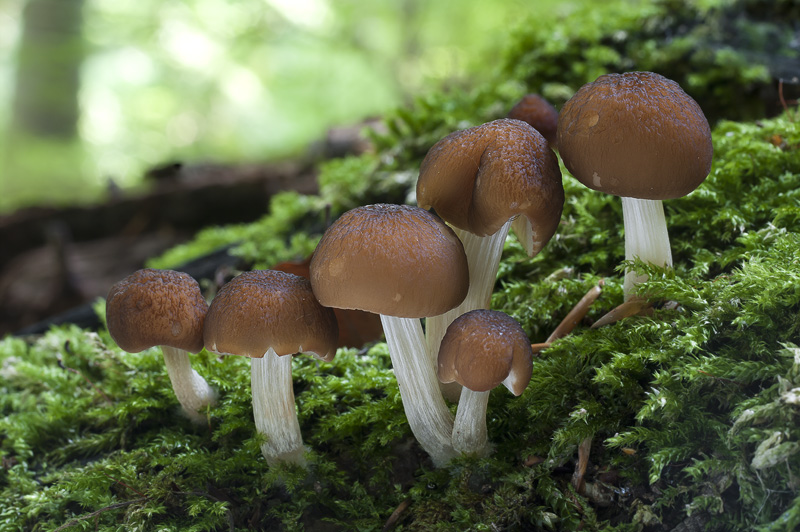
[[688, 417]]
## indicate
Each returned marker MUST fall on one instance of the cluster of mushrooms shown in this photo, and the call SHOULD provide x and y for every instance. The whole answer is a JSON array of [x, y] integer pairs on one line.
[[636, 135]]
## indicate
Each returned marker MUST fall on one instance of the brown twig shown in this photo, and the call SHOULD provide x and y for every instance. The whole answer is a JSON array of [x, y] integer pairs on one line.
[[540, 347], [395, 517], [572, 318], [532, 460], [782, 99], [577, 313], [631, 307], [583, 461], [115, 506], [784, 103]]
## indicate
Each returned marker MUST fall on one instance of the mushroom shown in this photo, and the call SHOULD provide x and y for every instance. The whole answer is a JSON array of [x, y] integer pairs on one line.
[[163, 308], [269, 315], [536, 111], [483, 181], [481, 350], [639, 136], [403, 263]]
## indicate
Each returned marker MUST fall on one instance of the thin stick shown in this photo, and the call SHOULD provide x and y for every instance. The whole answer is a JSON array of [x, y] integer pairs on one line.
[[577, 313], [572, 318], [395, 517], [583, 461], [631, 307], [780, 95], [540, 347], [782, 99]]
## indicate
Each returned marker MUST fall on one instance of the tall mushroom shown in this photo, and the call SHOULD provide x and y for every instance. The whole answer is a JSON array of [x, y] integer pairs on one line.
[[481, 350], [483, 181], [639, 136], [403, 263], [269, 315], [163, 308]]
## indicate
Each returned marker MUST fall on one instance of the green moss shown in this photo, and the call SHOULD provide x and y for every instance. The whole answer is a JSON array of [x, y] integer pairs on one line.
[[723, 53], [286, 233], [692, 412], [694, 409]]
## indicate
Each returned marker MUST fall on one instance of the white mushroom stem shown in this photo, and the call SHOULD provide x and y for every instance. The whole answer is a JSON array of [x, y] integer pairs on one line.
[[469, 430], [428, 416], [483, 259], [274, 408], [645, 237], [193, 392]]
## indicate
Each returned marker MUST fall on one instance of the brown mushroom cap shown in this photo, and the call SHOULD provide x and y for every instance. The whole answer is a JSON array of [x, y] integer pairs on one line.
[[537, 112], [637, 135], [156, 307], [479, 178], [395, 260], [264, 309], [483, 349]]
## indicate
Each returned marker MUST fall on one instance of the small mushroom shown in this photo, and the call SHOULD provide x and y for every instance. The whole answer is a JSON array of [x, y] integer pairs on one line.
[[639, 136], [269, 315], [163, 308], [403, 263], [481, 350], [539, 113], [483, 181]]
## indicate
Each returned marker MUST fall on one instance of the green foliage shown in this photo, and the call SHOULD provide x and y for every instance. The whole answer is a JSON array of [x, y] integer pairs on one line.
[[723, 53], [286, 233], [694, 409], [352, 181]]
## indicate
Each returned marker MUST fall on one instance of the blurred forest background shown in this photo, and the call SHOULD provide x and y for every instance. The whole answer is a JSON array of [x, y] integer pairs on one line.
[[95, 92]]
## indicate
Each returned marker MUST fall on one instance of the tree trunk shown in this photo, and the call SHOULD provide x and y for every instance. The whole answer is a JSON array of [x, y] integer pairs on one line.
[[48, 69]]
